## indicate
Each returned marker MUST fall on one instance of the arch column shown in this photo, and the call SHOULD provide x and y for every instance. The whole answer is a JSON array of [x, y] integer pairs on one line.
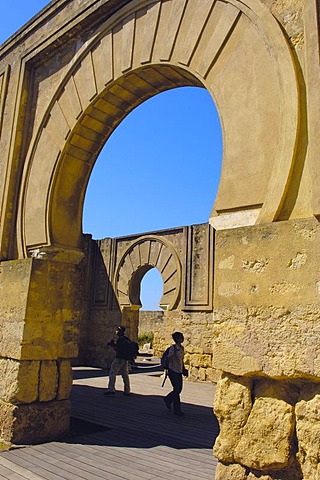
[[40, 336], [130, 319]]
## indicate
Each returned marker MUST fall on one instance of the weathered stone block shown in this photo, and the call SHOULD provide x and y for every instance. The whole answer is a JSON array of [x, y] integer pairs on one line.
[[19, 381], [266, 438], [308, 431], [14, 288], [48, 384], [263, 328], [65, 380], [202, 374], [34, 423], [6, 421], [198, 360], [252, 476], [230, 472], [232, 405]]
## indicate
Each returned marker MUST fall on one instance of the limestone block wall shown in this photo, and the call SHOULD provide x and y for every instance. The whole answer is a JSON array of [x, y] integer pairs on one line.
[[150, 320], [113, 271], [266, 336], [197, 328], [39, 336], [102, 313]]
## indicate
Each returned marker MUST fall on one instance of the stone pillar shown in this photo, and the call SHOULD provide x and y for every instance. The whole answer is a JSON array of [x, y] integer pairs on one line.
[[130, 320], [266, 338], [40, 308]]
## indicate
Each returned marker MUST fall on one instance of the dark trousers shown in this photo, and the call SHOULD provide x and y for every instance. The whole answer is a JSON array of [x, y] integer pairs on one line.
[[174, 396]]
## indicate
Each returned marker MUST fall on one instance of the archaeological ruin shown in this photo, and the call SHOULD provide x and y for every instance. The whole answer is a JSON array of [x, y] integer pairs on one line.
[[244, 287]]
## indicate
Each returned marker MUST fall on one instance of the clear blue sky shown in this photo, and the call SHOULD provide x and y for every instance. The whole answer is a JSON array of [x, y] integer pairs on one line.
[[159, 169]]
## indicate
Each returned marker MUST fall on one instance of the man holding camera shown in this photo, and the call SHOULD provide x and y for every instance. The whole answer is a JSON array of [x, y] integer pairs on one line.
[[119, 365]]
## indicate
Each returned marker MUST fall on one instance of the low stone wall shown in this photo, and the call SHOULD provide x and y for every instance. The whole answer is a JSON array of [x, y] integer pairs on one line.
[[197, 328], [150, 321]]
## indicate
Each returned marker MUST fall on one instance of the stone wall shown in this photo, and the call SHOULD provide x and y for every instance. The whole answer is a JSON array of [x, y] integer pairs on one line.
[[39, 337], [113, 270], [102, 312], [197, 328], [150, 321], [266, 337]]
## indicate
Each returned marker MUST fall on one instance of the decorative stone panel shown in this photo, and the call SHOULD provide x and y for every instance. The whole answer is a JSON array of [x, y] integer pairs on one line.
[[198, 268]]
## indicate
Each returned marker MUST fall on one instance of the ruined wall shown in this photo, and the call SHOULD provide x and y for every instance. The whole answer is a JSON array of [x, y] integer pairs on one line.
[[115, 268], [102, 312], [266, 336]]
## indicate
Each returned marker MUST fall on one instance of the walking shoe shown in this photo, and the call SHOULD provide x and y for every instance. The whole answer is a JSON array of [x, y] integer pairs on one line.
[[166, 403], [127, 394], [109, 392]]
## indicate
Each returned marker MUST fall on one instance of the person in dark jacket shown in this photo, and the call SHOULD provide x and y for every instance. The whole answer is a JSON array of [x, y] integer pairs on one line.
[[119, 365]]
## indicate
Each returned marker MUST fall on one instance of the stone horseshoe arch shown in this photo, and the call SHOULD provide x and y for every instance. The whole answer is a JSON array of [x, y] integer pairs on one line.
[[145, 48], [146, 253]]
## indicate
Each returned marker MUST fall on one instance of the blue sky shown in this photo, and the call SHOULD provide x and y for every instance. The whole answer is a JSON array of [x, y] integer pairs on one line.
[[159, 169]]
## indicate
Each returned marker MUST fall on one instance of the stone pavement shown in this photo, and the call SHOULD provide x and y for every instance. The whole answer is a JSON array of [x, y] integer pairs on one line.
[[125, 438]]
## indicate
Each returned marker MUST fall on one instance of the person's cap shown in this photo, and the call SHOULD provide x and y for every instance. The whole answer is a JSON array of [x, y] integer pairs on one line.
[[121, 329]]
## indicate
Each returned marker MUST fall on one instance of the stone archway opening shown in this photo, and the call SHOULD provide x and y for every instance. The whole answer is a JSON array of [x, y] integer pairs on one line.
[[137, 320], [151, 315], [165, 148], [151, 290], [118, 195]]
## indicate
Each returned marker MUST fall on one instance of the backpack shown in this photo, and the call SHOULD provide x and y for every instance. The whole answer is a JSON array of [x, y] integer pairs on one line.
[[130, 349], [165, 359]]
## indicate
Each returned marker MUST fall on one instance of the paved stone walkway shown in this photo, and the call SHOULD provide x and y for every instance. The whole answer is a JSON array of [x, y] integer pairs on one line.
[[125, 438]]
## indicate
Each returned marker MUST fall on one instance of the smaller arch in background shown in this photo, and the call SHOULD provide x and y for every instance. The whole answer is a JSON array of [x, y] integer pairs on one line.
[[140, 257], [151, 290]]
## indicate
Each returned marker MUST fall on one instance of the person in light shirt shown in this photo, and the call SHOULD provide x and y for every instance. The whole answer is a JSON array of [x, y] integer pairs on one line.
[[176, 371]]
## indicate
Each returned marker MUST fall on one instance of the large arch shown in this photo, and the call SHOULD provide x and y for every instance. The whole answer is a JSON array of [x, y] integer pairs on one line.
[[148, 47], [250, 276]]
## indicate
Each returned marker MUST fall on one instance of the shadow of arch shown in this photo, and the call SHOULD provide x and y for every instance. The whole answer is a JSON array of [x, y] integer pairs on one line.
[[146, 253]]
